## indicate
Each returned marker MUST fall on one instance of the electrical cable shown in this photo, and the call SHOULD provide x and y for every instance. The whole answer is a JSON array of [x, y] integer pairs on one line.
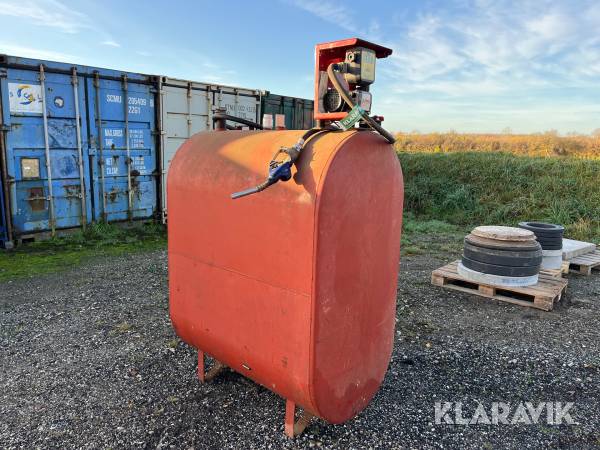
[[346, 96]]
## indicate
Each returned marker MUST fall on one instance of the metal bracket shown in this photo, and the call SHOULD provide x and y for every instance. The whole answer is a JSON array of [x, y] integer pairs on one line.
[[205, 376], [292, 427]]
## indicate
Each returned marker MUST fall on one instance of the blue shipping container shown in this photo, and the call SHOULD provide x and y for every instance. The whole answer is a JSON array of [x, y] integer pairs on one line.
[[122, 145], [60, 173]]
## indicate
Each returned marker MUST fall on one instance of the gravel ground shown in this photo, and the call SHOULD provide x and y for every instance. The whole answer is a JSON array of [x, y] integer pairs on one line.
[[89, 359]]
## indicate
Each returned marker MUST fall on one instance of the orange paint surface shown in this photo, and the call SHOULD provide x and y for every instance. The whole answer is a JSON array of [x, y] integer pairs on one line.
[[293, 287]]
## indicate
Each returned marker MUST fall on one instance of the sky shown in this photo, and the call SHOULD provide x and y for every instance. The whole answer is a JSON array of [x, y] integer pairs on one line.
[[462, 65]]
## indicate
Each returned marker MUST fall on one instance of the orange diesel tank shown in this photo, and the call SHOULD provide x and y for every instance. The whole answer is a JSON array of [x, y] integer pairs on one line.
[[293, 287]]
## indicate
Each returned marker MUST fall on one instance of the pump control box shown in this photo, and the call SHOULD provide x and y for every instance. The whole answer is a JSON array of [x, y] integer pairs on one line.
[[355, 61], [360, 66]]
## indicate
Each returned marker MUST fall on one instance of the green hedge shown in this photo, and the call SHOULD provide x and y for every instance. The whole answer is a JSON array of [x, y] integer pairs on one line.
[[503, 189]]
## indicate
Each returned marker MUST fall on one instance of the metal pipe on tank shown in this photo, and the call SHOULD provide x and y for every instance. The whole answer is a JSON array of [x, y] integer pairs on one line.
[[82, 193], [47, 151]]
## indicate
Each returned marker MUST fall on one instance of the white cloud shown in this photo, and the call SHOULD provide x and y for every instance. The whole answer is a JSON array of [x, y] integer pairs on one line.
[[37, 53], [506, 60], [110, 43], [328, 11], [48, 13]]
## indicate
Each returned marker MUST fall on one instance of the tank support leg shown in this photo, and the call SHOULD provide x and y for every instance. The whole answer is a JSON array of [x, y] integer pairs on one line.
[[293, 428], [201, 366], [215, 370]]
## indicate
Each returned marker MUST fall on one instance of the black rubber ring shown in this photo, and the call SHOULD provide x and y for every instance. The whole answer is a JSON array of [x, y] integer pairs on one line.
[[543, 241], [534, 246], [545, 244], [493, 269], [541, 226], [542, 237], [551, 230], [551, 247], [502, 257], [548, 235]]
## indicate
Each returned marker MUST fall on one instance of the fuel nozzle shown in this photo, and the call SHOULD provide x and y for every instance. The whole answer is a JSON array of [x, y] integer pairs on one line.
[[280, 166], [279, 170]]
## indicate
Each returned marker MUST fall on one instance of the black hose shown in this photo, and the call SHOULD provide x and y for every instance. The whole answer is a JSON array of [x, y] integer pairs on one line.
[[249, 123], [346, 96]]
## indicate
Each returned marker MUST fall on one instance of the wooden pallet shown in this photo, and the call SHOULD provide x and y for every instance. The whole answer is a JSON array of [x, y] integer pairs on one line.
[[557, 273], [542, 295], [584, 264]]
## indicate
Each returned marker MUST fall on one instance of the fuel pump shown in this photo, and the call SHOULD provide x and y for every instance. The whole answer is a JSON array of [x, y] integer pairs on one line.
[[294, 289], [344, 71]]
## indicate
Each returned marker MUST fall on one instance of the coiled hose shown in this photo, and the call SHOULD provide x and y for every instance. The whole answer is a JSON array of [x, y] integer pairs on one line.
[[346, 96]]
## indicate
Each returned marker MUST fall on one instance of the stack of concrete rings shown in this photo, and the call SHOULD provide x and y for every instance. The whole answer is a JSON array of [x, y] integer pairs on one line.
[[501, 256], [550, 237]]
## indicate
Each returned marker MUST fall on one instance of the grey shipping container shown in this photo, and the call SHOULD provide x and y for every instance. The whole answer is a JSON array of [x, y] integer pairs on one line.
[[187, 107], [298, 112]]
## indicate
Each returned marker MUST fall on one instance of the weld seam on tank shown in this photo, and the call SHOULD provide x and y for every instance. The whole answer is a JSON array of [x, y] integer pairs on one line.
[[227, 269]]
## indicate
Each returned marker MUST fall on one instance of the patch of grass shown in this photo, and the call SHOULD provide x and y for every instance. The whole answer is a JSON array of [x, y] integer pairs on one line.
[[172, 343], [411, 225], [123, 327], [431, 236], [65, 252], [412, 250], [463, 189]]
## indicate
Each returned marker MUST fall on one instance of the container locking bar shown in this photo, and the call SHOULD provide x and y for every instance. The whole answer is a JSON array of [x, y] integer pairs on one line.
[[52, 218], [128, 150], [100, 144], [75, 83]]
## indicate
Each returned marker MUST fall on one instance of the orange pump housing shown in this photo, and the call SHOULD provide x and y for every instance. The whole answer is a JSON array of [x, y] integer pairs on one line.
[[293, 287]]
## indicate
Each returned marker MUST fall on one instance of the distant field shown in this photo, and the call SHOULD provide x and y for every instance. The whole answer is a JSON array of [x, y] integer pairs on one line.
[[494, 188], [543, 144]]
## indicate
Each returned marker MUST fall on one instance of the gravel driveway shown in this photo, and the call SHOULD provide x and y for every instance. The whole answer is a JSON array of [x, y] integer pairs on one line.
[[89, 360]]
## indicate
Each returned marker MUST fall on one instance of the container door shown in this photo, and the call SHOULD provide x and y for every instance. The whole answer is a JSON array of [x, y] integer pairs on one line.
[[46, 150], [300, 122], [243, 103], [122, 148], [308, 114], [289, 105], [273, 105], [186, 110]]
